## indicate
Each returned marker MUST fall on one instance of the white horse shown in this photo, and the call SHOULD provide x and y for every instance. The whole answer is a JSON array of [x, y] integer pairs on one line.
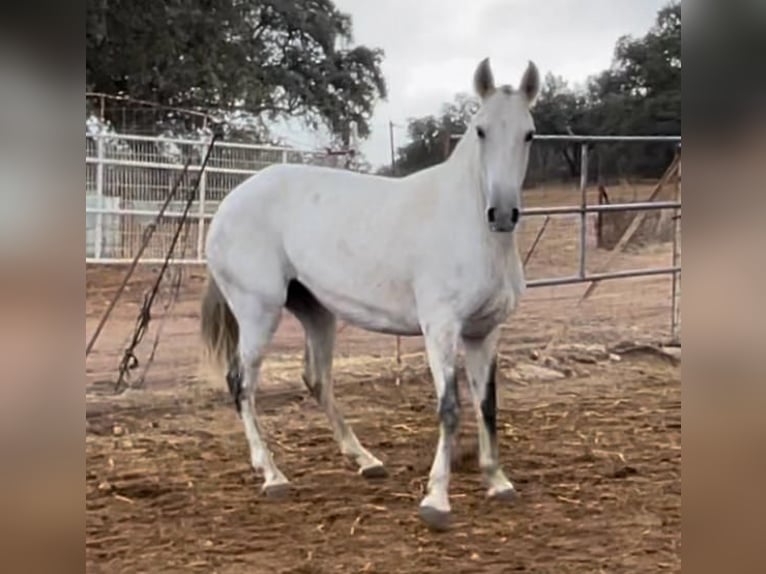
[[434, 254]]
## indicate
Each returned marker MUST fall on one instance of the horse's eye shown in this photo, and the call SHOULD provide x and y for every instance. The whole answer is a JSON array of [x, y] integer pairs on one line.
[[481, 133], [529, 137]]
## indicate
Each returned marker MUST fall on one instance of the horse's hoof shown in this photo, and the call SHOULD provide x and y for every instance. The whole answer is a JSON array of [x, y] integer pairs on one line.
[[438, 520], [277, 490], [374, 471], [505, 495]]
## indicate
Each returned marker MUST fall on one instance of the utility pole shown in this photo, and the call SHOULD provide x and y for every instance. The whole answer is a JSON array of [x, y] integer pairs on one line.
[[393, 151]]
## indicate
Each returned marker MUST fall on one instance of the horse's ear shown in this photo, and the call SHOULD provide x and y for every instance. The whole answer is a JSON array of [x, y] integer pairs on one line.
[[530, 83], [483, 80]]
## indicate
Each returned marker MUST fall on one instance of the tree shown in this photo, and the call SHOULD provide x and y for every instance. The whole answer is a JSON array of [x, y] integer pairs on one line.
[[429, 136], [639, 95], [266, 57], [558, 110]]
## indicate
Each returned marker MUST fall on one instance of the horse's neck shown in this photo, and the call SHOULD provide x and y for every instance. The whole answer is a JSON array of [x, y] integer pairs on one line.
[[463, 180]]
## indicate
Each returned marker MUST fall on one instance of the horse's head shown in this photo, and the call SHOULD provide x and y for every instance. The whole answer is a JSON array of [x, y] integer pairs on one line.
[[504, 128]]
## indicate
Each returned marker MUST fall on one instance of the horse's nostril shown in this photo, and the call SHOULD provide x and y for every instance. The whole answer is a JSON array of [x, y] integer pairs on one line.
[[515, 215], [491, 214]]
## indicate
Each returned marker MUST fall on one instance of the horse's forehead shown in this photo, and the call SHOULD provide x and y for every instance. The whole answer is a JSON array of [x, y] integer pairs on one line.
[[504, 106]]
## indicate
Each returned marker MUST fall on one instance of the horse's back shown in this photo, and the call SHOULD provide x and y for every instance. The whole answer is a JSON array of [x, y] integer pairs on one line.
[[292, 204], [293, 186]]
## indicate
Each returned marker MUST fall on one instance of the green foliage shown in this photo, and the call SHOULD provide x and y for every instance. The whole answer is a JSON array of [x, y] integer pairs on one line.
[[269, 57]]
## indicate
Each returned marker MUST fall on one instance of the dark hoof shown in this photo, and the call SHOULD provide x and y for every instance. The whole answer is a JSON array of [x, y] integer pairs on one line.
[[276, 491], [437, 520], [377, 471], [506, 495]]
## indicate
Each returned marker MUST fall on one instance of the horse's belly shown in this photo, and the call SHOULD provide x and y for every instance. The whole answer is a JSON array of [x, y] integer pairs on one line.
[[388, 309], [358, 274]]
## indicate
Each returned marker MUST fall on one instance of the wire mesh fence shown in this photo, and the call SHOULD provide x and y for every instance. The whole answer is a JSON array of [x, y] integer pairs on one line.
[[128, 177]]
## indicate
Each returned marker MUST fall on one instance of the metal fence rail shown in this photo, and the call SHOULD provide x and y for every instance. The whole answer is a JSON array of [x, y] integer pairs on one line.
[[584, 209]]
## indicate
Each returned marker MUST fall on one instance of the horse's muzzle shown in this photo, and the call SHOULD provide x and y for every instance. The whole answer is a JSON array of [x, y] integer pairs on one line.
[[501, 221]]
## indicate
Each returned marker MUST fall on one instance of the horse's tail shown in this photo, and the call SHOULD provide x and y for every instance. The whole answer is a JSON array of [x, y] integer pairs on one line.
[[220, 335]]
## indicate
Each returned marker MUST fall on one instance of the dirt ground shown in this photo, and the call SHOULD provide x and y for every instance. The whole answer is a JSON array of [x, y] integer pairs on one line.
[[595, 453], [596, 460]]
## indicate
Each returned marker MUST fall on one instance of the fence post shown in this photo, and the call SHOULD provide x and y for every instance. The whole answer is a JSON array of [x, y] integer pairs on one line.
[[583, 206], [675, 278], [99, 240], [284, 156], [201, 216]]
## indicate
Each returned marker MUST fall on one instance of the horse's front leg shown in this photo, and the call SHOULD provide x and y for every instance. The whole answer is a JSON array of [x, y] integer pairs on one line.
[[481, 366], [441, 346]]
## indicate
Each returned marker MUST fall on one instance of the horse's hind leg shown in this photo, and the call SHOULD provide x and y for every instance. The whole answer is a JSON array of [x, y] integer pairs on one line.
[[319, 324], [257, 325]]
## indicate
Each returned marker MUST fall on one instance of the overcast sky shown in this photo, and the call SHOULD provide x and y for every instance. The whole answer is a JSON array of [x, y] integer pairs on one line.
[[433, 46]]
